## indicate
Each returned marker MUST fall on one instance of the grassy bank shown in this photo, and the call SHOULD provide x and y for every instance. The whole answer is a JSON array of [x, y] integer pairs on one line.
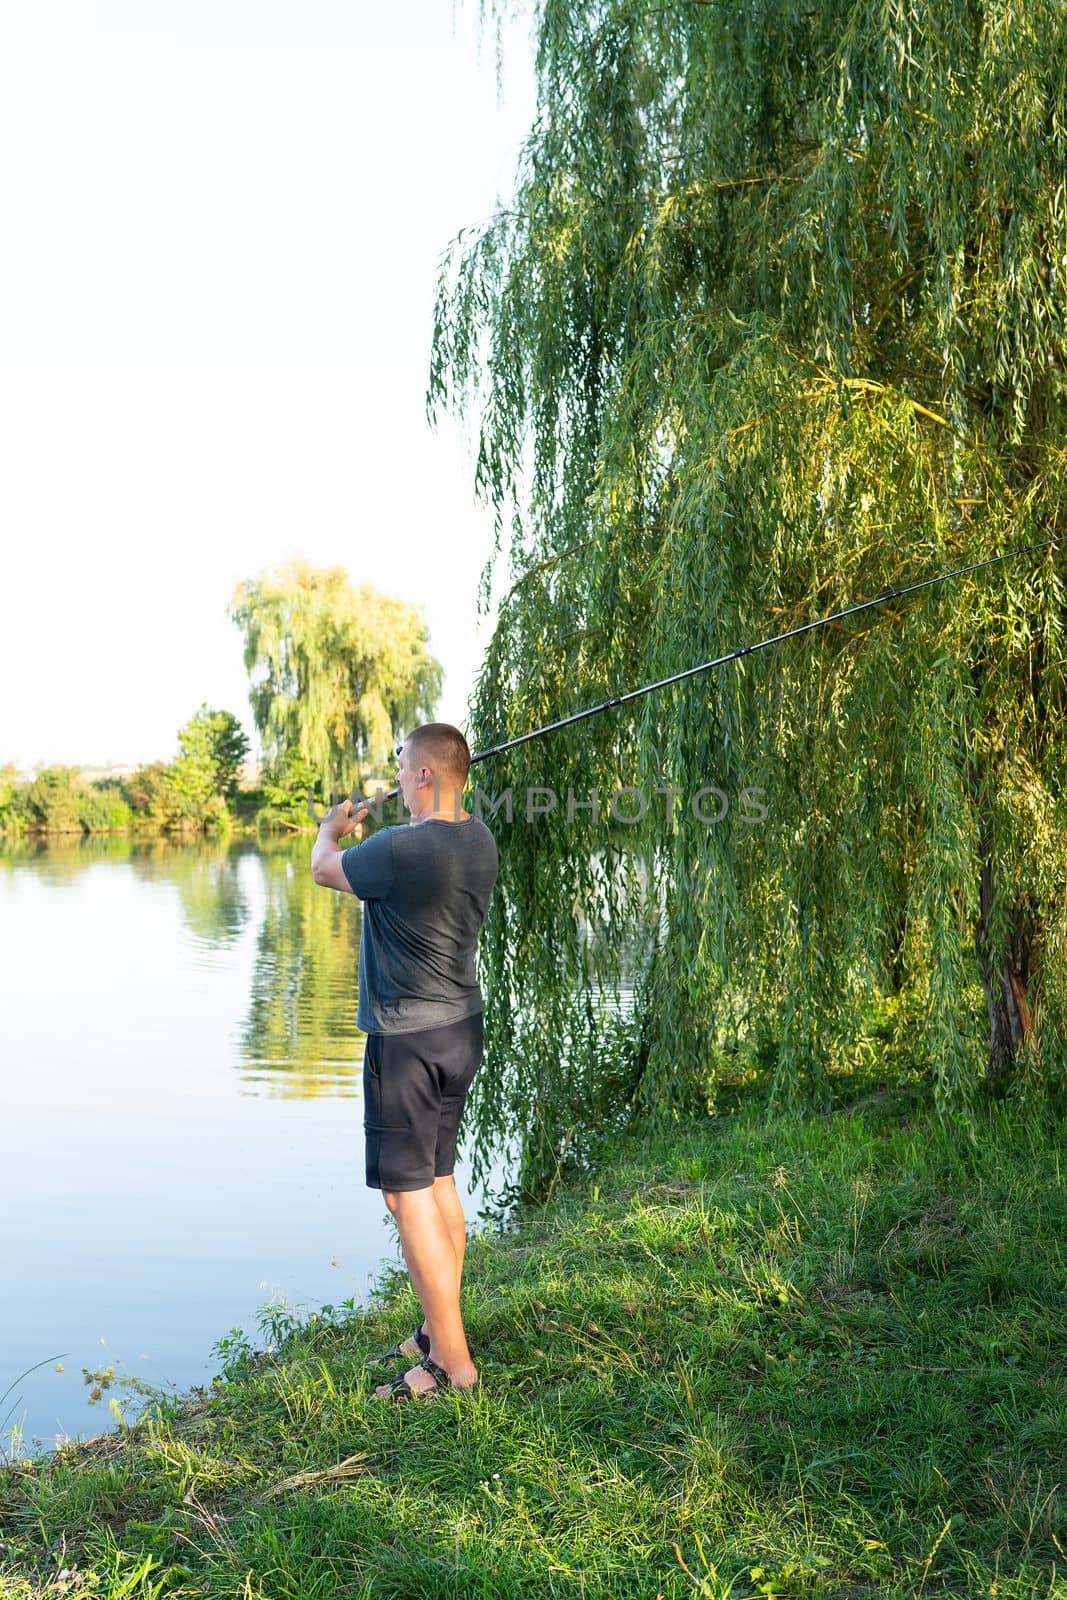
[[762, 1359]]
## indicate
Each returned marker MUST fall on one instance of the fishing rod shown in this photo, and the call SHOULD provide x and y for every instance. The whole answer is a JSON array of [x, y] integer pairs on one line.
[[731, 655]]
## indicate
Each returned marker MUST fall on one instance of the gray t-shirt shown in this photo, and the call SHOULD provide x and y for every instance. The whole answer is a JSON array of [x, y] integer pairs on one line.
[[425, 889]]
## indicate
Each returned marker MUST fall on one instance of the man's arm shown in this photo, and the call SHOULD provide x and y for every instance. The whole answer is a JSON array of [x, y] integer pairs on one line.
[[326, 855]]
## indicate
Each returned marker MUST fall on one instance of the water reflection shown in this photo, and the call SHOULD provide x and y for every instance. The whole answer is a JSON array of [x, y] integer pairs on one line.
[[58, 861], [173, 1043], [300, 1039], [214, 902]]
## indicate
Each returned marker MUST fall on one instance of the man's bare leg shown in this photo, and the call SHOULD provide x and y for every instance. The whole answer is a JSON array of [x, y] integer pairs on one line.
[[435, 1266], [444, 1192]]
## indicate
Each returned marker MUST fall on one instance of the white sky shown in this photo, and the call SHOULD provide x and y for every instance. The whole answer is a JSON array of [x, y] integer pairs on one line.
[[222, 223]]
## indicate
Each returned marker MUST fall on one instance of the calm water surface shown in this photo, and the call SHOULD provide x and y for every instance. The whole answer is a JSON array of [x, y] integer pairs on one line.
[[181, 1129]]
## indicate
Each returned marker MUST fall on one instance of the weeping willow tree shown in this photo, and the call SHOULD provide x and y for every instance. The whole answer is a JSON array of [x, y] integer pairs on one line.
[[775, 321], [336, 672]]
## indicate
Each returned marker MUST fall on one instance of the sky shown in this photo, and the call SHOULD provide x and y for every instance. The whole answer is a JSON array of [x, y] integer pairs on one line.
[[223, 227]]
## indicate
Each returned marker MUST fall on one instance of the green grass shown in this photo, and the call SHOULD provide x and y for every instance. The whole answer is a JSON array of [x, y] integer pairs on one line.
[[763, 1358]]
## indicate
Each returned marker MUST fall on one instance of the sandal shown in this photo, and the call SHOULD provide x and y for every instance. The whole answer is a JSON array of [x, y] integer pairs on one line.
[[400, 1388], [412, 1348]]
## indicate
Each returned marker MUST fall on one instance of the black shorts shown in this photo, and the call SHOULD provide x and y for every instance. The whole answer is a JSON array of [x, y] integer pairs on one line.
[[414, 1089]]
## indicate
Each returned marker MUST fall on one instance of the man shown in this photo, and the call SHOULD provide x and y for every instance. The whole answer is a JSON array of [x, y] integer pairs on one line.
[[425, 887]]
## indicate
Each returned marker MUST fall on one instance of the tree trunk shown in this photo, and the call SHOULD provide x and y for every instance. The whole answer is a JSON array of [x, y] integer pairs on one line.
[[1006, 973]]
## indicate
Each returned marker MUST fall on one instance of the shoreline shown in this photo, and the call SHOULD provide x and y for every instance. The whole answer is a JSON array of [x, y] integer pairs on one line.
[[765, 1356]]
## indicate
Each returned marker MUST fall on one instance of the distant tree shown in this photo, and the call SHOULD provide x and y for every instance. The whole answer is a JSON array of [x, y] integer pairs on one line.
[[196, 789], [336, 672], [104, 808], [212, 747], [13, 810], [59, 800], [53, 800], [149, 795], [286, 781]]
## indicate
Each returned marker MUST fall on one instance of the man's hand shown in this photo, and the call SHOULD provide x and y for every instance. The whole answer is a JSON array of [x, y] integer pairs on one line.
[[326, 866], [339, 820]]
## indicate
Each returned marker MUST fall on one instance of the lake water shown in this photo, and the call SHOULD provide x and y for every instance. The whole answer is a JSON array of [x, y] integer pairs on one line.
[[181, 1125]]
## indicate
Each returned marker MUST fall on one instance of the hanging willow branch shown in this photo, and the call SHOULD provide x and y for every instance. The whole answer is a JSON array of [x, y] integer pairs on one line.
[[705, 403]]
